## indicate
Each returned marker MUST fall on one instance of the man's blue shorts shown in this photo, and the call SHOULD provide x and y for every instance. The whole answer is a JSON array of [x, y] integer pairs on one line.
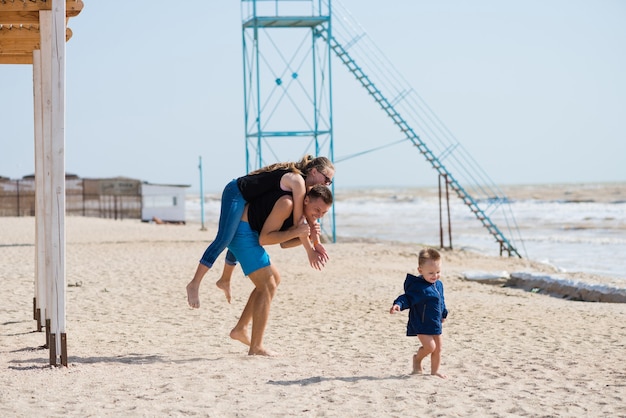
[[245, 245]]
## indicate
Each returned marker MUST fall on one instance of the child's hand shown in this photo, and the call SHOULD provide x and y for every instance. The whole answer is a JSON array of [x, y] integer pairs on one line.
[[394, 308], [301, 229], [316, 228]]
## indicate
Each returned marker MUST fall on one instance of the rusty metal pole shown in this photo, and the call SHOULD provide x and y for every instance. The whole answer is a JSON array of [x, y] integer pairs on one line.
[[440, 216], [448, 205]]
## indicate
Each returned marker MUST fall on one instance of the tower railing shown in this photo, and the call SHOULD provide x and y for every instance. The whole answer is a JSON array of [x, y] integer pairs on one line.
[[411, 114], [287, 84]]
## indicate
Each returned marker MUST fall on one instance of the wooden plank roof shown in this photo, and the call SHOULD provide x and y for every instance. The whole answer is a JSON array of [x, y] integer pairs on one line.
[[19, 27]]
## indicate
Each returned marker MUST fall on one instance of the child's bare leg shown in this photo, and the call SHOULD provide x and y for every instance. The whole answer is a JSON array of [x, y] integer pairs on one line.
[[417, 361], [224, 282], [428, 346], [435, 357], [193, 287]]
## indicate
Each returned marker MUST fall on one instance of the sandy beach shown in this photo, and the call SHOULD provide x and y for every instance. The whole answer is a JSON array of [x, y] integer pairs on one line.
[[135, 348]]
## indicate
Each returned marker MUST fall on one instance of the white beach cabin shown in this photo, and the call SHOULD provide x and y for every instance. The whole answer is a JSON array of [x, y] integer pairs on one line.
[[163, 202]]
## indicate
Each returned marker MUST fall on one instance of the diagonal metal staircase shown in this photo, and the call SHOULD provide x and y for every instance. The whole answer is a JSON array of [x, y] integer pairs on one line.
[[482, 197]]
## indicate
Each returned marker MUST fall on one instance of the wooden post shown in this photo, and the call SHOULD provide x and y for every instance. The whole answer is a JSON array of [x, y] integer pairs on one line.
[[64, 349], [53, 350], [40, 213], [52, 32], [47, 344]]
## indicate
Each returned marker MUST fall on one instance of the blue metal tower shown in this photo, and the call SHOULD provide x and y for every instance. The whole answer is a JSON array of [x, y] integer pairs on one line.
[[287, 83], [288, 99]]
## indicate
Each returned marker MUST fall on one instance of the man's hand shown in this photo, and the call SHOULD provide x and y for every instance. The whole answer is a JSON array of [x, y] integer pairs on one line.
[[315, 260], [316, 232], [321, 251]]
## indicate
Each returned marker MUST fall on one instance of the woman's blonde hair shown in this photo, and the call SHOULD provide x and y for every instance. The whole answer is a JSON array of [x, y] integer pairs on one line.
[[303, 166]]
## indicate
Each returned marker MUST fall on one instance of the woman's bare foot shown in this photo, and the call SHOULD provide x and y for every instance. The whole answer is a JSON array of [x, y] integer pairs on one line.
[[443, 376], [193, 295], [240, 335], [417, 365], [224, 285], [261, 352]]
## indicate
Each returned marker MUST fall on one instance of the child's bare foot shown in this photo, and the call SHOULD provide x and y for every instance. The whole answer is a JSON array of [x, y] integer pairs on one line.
[[417, 365], [224, 285], [443, 376], [240, 335], [193, 296], [260, 352]]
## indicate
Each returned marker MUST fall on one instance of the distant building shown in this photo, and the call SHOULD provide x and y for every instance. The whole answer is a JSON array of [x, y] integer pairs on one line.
[[163, 202], [116, 198]]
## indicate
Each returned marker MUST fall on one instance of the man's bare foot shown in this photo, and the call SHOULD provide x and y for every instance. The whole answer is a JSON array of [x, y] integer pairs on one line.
[[224, 285], [443, 376], [417, 365], [261, 352], [240, 335], [193, 297]]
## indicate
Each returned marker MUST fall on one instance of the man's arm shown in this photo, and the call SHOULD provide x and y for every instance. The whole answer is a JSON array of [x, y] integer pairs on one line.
[[271, 233], [317, 254]]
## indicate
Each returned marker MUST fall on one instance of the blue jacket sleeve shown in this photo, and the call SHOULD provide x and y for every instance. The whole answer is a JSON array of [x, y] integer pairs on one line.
[[402, 301]]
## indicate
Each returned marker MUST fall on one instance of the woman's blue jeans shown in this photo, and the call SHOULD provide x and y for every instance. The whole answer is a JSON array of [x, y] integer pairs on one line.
[[233, 205]]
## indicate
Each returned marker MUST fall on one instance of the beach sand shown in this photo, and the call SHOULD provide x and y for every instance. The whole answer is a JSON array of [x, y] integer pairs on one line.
[[135, 348]]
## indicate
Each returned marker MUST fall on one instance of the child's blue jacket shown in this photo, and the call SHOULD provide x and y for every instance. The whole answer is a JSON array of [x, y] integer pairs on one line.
[[426, 305]]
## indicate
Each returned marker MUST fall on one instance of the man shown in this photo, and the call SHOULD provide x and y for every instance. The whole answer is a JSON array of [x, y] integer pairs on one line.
[[266, 221]]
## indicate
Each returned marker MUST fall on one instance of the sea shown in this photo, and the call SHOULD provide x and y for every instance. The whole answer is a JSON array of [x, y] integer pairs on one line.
[[563, 226]]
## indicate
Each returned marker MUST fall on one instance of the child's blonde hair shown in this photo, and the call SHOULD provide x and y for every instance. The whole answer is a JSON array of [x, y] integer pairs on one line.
[[428, 254]]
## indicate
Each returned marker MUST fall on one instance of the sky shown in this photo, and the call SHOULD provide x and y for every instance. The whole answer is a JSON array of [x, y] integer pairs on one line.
[[534, 90]]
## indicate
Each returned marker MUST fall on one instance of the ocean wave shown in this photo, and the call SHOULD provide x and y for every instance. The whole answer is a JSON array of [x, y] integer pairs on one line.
[[571, 234]]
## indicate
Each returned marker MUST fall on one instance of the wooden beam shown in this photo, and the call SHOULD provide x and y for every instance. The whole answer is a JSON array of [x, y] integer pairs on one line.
[[72, 7], [21, 46], [18, 12], [19, 27], [16, 59], [18, 31], [18, 34], [20, 17], [17, 42], [24, 6]]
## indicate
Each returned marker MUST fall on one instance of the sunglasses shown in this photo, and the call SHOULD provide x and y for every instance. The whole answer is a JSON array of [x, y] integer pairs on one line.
[[328, 181]]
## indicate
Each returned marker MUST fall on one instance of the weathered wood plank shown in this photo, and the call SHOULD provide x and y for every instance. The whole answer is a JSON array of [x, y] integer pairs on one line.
[[16, 58], [73, 7]]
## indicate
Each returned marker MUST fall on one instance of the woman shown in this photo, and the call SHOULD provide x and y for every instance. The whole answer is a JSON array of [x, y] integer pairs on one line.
[[296, 178]]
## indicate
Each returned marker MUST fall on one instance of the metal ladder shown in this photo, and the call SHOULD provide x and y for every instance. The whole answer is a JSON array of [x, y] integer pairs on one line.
[[436, 162]]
